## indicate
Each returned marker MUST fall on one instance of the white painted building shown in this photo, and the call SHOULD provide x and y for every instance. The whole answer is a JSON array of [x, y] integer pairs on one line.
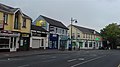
[[39, 38], [57, 37]]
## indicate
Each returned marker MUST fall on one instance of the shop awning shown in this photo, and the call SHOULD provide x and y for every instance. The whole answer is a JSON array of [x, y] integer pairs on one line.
[[12, 35]]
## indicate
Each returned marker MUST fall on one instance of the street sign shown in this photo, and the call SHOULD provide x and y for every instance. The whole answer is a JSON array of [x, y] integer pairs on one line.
[[97, 39]]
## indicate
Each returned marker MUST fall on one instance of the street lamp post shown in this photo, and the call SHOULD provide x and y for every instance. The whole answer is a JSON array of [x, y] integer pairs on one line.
[[72, 20]]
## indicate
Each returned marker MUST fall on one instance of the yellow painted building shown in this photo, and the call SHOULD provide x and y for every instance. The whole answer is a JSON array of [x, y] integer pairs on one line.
[[15, 28], [84, 38]]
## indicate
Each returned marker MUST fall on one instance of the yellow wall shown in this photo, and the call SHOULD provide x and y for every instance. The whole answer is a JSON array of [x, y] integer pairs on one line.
[[87, 36], [1, 16], [28, 26], [10, 23], [75, 31]]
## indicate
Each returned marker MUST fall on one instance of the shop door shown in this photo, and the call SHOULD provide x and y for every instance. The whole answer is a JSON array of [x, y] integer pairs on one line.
[[81, 44], [54, 45], [13, 44], [36, 43]]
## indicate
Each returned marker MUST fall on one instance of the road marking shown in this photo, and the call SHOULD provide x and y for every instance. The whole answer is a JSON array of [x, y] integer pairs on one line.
[[48, 60], [24, 65], [71, 60], [119, 65], [53, 57], [81, 59], [11, 59], [86, 61]]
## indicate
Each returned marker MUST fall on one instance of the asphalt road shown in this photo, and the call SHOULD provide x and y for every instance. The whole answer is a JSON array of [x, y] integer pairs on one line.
[[84, 58]]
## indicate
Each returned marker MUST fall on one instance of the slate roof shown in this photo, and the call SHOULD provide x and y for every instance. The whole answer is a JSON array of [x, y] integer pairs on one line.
[[10, 10], [53, 22], [86, 30], [38, 28]]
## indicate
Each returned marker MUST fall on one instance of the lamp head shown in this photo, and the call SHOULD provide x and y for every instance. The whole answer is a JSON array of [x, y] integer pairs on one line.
[[75, 21]]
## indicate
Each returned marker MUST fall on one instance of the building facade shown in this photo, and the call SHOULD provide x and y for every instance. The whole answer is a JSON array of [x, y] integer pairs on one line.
[[57, 37], [39, 38], [14, 28], [84, 38]]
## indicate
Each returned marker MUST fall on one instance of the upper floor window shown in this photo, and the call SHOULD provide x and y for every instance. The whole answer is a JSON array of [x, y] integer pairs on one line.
[[16, 21], [51, 28], [89, 36], [78, 35], [24, 23], [83, 35], [56, 30], [63, 31], [94, 36], [73, 35], [66, 32], [5, 18]]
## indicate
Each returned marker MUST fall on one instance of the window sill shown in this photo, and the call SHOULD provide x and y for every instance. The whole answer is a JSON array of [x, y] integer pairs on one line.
[[23, 27], [5, 24]]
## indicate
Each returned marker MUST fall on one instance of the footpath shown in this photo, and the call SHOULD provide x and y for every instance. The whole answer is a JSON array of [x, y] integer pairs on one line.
[[31, 52]]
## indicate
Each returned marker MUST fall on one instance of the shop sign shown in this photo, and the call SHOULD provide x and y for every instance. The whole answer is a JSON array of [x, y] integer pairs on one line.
[[97, 39], [54, 35], [64, 38], [25, 35], [36, 34], [9, 34], [41, 23]]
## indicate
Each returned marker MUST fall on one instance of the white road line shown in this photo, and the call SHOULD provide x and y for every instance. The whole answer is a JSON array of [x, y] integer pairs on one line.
[[86, 61], [11, 59], [81, 59], [71, 60], [24, 65]]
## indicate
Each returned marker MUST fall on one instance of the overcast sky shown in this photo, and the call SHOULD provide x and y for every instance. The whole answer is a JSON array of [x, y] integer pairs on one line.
[[94, 14]]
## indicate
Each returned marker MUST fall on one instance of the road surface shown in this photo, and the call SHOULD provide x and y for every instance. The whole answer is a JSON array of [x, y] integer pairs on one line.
[[83, 58]]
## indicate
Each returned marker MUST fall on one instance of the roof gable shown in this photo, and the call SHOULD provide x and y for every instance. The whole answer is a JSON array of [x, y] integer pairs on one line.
[[86, 30], [11, 10], [53, 22], [38, 28]]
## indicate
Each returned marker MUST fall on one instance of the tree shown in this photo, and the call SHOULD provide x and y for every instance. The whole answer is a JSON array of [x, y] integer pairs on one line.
[[111, 33]]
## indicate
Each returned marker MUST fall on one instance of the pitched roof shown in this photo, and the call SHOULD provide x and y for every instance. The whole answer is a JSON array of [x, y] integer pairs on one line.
[[54, 22], [11, 10], [38, 28], [26, 16], [7, 9], [86, 30]]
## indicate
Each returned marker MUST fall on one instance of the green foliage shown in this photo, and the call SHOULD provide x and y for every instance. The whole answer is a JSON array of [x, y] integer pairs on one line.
[[111, 32]]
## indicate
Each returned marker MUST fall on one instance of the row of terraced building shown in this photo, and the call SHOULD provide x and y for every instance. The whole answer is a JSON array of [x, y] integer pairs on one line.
[[18, 32]]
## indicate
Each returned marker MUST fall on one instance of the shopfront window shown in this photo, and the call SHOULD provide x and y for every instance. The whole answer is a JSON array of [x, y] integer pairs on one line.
[[90, 44], [21, 42], [4, 43], [42, 43], [11, 43], [86, 45]]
